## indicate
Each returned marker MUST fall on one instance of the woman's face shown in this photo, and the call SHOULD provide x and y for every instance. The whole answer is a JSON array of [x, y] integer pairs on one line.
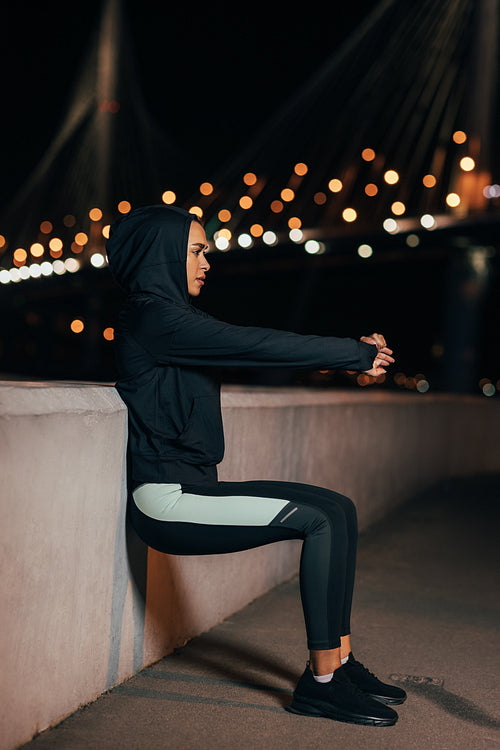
[[196, 265]]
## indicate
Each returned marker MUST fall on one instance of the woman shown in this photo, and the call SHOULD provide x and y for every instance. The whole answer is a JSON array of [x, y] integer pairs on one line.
[[167, 355]]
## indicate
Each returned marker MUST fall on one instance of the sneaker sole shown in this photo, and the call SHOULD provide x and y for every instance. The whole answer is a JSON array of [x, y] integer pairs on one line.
[[388, 701], [305, 709]]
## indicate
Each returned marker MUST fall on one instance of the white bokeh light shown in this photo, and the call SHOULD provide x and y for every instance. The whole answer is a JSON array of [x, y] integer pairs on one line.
[[245, 240]]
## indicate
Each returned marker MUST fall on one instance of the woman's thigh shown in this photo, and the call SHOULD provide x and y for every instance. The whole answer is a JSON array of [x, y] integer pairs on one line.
[[232, 516]]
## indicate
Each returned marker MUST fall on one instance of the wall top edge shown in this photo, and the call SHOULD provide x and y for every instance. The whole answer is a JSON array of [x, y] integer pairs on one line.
[[43, 397], [24, 398]]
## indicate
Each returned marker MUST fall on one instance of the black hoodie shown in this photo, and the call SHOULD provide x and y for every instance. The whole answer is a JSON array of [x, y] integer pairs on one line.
[[168, 352]]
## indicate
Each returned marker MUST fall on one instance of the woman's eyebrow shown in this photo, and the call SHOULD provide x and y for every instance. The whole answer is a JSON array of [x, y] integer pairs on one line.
[[201, 245]]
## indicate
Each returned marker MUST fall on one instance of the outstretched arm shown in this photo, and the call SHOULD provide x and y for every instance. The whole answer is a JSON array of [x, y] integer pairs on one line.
[[180, 336]]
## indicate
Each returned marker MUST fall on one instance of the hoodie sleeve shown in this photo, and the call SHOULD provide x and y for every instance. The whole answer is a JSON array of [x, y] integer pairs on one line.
[[184, 336]]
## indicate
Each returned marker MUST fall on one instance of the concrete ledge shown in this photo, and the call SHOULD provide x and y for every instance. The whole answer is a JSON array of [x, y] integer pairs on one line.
[[83, 603]]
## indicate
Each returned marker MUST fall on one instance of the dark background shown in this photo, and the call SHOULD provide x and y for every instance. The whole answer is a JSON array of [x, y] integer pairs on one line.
[[210, 76]]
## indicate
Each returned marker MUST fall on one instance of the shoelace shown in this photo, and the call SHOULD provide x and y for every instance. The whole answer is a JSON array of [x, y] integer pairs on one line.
[[361, 668], [351, 687]]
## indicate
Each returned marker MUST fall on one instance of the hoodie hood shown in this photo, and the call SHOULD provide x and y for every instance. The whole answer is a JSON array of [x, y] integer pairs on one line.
[[147, 250]]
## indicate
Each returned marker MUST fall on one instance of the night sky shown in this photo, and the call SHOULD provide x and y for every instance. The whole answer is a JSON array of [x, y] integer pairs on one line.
[[210, 74]]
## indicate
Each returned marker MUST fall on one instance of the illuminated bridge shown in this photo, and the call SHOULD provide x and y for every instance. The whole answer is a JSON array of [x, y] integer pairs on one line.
[[387, 153]]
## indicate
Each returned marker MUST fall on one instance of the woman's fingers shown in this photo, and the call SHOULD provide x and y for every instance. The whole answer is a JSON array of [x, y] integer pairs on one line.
[[383, 357]]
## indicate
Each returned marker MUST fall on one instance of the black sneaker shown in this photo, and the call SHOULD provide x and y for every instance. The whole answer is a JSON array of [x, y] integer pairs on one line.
[[371, 685], [339, 699]]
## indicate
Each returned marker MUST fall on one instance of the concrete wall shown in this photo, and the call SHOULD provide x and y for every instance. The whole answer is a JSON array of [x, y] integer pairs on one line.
[[84, 604]]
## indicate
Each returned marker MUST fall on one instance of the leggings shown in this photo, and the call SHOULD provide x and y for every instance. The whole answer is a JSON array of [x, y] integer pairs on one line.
[[233, 516]]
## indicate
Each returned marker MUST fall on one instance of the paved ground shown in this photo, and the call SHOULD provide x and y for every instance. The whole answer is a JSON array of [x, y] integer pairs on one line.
[[426, 615]]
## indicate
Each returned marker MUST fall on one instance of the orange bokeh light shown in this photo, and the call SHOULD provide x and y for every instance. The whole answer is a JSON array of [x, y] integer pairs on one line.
[[250, 178], [77, 325], [256, 230], [168, 197], [368, 154], [246, 201], [429, 180], [300, 169], [335, 185], [81, 238], [459, 136], [37, 249], [20, 256]]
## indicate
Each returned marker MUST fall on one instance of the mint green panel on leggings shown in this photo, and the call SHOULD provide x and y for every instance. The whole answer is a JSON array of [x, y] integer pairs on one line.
[[167, 502]]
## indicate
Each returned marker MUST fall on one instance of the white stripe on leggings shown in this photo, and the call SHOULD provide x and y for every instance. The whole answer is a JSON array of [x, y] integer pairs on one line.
[[167, 502]]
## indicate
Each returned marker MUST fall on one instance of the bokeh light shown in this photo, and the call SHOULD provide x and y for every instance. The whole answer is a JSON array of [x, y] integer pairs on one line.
[[365, 251], [77, 325], [20, 256], [124, 207], [245, 240], [256, 230], [467, 163], [97, 260], [287, 195], [250, 178], [296, 235], [349, 214], [459, 136], [319, 198], [453, 200], [168, 197], [55, 245], [427, 221], [391, 177], [269, 238], [390, 225], [368, 154], [206, 188], [246, 202], [335, 185], [398, 208], [81, 238], [37, 249]]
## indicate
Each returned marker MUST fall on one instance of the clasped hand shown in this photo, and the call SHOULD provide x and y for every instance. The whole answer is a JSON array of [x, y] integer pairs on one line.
[[383, 358]]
